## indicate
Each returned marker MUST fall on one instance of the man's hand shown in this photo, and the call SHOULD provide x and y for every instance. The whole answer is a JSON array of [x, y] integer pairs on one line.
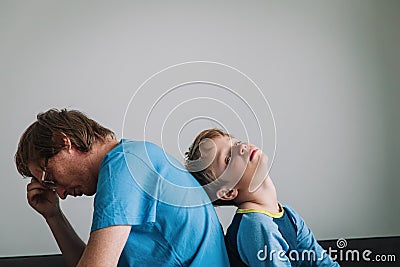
[[43, 200], [46, 203]]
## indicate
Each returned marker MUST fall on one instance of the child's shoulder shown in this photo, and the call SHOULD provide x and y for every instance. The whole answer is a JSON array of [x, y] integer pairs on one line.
[[253, 226], [253, 221], [288, 208], [292, 213]]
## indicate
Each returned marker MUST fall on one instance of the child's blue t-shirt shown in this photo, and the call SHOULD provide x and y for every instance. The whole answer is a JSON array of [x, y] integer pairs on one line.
[[173, 223], [262, 238]]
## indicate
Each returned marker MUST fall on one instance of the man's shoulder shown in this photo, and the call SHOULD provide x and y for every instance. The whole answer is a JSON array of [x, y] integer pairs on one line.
[[136, 146], [132, 150]]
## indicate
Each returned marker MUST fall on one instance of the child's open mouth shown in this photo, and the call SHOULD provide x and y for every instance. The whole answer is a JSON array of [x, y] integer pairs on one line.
[[252, 153]]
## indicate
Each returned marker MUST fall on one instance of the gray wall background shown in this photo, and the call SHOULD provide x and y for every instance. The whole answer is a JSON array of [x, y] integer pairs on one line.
[[329, 69]]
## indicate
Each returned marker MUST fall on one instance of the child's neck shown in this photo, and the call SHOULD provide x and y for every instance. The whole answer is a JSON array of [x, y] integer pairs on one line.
[[264, 198]]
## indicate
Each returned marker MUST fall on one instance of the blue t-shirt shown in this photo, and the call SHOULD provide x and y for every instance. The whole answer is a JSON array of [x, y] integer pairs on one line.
[[172, 223], [262, 238]]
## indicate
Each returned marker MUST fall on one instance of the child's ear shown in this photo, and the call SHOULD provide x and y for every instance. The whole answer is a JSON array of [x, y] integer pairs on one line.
[[226, 194]]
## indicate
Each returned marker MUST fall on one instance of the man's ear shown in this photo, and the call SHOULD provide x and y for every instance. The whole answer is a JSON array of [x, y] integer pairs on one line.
[[62, 138], [226, 194]]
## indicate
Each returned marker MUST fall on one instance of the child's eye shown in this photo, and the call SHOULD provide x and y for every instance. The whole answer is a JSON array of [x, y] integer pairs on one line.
[[227, 159], [238, 143]]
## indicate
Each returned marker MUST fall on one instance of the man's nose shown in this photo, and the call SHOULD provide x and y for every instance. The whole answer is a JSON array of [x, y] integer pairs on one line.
[[61, 192]]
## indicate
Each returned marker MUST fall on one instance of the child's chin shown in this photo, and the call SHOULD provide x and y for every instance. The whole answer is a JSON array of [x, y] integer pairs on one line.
[[263, 161], [260, 175]]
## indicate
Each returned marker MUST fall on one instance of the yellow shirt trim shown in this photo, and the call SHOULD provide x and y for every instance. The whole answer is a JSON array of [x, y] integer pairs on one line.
[[266, 212]]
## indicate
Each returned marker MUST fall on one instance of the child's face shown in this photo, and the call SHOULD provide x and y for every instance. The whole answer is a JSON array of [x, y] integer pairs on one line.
[[240, 165]]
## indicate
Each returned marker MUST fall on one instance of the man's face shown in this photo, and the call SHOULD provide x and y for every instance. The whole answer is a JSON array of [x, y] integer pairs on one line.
[[239, 163], [69, 172]]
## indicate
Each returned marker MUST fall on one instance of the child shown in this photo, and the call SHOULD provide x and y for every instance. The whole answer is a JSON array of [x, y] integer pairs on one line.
[[263, 232]]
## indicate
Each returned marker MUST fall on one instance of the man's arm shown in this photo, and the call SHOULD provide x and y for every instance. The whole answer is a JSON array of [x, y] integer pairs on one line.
[[105, 246], [68, 241], [46, 203]]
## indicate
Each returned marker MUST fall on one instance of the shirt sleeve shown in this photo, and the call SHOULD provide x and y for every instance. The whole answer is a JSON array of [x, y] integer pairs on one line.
[[119, 199], [308, 247], [260, 243]]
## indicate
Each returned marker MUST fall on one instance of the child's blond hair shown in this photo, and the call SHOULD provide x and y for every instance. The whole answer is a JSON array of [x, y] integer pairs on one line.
[[206, 175]]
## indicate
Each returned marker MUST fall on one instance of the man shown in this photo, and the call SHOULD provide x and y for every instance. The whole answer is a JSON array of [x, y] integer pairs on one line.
[[134, 223]]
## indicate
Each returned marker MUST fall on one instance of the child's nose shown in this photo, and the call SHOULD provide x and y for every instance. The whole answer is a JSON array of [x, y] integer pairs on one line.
[[243, 148]]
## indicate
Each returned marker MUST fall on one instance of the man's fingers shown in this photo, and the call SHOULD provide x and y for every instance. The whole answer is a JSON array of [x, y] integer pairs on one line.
[[30, 188], [34, 192], [34, 184]]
